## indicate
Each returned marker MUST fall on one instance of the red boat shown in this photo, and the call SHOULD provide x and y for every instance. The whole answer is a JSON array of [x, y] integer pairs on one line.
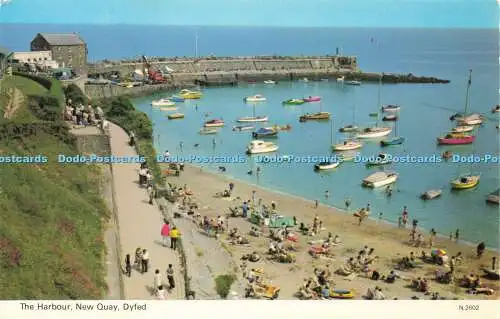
[[456, 139]]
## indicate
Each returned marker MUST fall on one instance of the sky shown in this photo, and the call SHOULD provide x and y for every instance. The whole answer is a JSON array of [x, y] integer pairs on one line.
[[286, 13]]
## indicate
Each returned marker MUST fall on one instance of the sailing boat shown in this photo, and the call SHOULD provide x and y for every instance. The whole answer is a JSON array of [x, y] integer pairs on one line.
[[458, 135], [351, 127], [347, 145], [327, 164], [466, 181], [319, 116], [396, 140], [472, 119], [376, 131], [253, 118]]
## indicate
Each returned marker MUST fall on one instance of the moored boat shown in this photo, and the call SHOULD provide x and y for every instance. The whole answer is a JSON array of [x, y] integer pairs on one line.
[[391, 108], [175, 116], [473, 119], [353, 82], [341, 79], [374, 132], [163, 102], [381, 159], [456, 139], [241, 128], [349, 128], [321, 166], [312, 99], [390, 117], [269, 82], [496, 109], [315, 116], [257, 147], [293, 102], [214, 123], [393, 141], [447, 155], [286, 127], [265, 132], [431, 194], [462, 129], [208, 130], [176, 98], [169, 108], [255, 98], [347, 146], [465, 182], [190, 95], [252, 119], [493, 197], [380, 179]]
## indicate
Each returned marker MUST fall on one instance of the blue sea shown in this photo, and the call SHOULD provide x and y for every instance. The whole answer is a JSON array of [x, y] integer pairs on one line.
[[444, 53]]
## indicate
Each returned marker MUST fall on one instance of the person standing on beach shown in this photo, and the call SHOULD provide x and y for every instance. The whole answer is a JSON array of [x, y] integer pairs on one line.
[[316, 203], [405, 217], [165, 232], [144, 261], [480, 249], [150, 194], [327, 195], [244, 209], [400, 222], [347, 203], [253, 197], [457, 235], [231, 187], [380, 216], [174, 236], [128, 266], [170, 277], [157, 280], [432, 237], [414, 225]]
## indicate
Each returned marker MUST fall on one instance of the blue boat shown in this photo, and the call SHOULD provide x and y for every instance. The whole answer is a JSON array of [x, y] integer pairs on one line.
[[393, 141], [176, 98], [265, 132]]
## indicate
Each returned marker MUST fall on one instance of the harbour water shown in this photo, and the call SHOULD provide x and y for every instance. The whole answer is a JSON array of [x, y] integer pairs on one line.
[[447, 54]]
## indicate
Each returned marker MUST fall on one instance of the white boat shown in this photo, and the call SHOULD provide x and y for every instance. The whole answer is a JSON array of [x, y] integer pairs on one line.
[[380, 179], [473, 119], [163, 102], [431, 194], [391, 108], [255, 98], [248, 119], [269, 82], [304, 80], [340, 79], [258, 146], [243, 128], [462, 129], [208, 130], [326, 165], [374, 132], [347, 146]]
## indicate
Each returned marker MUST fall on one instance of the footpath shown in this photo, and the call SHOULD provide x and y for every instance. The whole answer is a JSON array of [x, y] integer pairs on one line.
[[139, 225]]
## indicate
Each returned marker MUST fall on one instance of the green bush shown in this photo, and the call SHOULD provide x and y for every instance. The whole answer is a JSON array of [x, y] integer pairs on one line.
[[223, 284], [45, 82], [45, 107]]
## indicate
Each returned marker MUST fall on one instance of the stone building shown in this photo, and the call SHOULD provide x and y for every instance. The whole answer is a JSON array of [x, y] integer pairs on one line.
[[68, 49]]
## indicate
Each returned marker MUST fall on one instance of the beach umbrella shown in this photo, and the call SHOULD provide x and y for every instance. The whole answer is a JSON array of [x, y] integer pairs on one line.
[[438, 252]]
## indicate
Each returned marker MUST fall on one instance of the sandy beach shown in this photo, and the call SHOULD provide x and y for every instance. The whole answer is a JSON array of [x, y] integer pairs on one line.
[[389, 242]]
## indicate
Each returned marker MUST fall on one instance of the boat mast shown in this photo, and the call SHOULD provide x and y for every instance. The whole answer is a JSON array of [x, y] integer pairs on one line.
[[331, 131], [196, 45], [467, 95], [378, 98], [253, 110]]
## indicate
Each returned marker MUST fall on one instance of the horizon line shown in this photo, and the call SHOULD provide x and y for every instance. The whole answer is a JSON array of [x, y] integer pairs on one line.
[[250, 26]]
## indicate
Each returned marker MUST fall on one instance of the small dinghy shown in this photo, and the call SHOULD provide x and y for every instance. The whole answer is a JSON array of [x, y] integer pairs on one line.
[[391, 117], [431, 194], [349, 128], [325, 166], [381, 159], [208, 130], [175, 116], [391, 108], [241, 128]]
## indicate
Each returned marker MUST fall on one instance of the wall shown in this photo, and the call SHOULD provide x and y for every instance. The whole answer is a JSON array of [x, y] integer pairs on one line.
[[93, 144]]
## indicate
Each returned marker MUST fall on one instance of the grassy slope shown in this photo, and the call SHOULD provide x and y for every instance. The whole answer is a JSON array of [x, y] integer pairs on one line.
[[28, 87], [51, 221]]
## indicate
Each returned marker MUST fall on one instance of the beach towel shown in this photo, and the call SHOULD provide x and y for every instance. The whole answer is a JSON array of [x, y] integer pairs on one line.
[[165, 231]]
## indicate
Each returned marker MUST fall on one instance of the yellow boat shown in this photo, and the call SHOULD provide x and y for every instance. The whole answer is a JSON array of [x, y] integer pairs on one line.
[[169, 108], [175, 116], [190, 95], [465, 182]]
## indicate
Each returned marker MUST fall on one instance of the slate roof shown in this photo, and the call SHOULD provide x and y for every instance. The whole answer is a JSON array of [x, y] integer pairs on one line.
[[62, 38]]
